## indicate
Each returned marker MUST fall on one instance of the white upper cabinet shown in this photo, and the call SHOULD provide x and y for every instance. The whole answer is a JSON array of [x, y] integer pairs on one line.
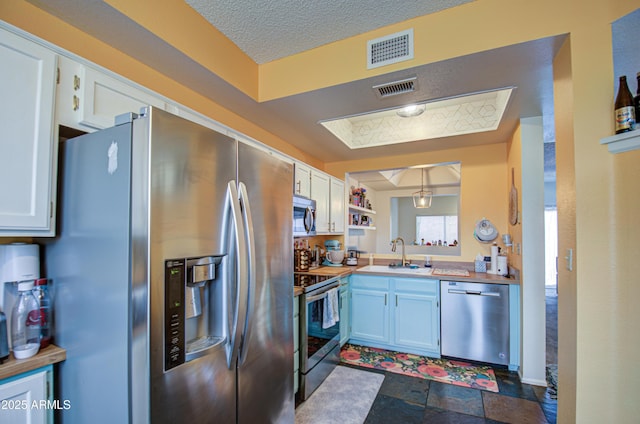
[[302, 180], [337, 205], [28, 146], [90, 100], [320, 192], [328, 192]]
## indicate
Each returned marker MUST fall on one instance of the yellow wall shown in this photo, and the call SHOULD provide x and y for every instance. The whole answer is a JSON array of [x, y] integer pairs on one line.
[[514, 161], [35, 21], [566, 204], [483, 190]]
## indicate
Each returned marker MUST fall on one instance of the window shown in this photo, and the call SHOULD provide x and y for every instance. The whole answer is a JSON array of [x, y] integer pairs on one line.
[[434, 228]]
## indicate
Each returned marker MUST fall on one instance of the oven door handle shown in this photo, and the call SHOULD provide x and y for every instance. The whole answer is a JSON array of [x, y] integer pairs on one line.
[[322, 295]]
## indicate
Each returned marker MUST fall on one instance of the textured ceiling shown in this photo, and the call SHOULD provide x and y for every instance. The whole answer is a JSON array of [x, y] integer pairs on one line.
[[271, 29]]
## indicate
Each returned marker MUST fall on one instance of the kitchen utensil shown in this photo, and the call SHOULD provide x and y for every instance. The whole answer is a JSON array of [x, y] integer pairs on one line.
[[513, 201], [335, 257]]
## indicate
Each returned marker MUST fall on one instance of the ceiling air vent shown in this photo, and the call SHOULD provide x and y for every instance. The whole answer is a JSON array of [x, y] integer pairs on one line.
[[393, 48], [394, 88]]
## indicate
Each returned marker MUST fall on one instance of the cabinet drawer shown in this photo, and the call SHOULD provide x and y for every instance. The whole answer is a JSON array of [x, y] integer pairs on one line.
[[369, 282], [418, 285]]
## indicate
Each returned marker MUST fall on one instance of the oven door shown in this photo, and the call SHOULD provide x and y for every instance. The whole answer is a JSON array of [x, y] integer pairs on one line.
[[317, 342]]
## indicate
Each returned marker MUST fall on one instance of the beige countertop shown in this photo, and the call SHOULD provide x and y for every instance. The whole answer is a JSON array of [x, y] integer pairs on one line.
[[477, 277], [473, 277], [49, 355]]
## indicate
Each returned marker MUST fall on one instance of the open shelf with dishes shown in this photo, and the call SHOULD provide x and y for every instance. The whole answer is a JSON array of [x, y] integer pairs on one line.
[[360, 219]]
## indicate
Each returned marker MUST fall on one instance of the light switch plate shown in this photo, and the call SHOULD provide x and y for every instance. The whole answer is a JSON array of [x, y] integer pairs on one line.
[[569, 259]]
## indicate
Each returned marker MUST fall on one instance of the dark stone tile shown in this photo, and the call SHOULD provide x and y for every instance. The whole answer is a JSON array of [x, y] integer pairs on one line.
[[389, 410], [509, 384], [441, 416], [512, 410], [411, 389], [455, 398]]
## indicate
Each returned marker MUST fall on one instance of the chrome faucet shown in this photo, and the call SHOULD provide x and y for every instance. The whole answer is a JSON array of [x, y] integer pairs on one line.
[[394, 242]]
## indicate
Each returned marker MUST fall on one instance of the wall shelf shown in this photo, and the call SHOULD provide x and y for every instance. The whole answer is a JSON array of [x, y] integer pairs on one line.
[[361, 227], [361, 209], [623, 142]]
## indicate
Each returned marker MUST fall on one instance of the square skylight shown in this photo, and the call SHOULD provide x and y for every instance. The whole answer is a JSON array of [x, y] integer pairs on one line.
[[448, 117]]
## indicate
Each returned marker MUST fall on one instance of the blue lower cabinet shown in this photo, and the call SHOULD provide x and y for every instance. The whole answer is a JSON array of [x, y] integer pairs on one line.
[[28, 397], [345, 311], [400, 314]]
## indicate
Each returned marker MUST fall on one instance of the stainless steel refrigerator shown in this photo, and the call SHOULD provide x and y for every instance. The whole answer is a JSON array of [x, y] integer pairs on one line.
[[172, 275]]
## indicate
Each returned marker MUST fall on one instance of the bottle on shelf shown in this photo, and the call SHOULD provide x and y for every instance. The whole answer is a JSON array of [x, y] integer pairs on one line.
[[636, 100], [41, 293], [25, 322], [625, 114]]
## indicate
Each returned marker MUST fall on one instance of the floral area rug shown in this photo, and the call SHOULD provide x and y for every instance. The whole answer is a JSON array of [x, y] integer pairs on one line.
[[443, 370]]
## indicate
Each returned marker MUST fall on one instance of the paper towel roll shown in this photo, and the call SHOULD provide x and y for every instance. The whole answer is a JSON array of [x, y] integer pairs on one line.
[[494, 260]]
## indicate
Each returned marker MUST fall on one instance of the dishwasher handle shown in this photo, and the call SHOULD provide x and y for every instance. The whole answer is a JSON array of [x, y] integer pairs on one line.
[[474, 292]]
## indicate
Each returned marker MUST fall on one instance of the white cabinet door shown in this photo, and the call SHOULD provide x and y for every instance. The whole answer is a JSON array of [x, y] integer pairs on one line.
[[102, 98], [337, 205], [369, 315], [416, 321], [320, 189], [416, 318], [28, 150], [302, 180], [17, 398]]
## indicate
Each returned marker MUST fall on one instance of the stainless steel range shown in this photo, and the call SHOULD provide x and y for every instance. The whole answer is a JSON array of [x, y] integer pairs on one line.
[[319, 339]]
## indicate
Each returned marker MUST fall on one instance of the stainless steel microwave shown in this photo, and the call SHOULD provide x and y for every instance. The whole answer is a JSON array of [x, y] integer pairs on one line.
[[304, 216]]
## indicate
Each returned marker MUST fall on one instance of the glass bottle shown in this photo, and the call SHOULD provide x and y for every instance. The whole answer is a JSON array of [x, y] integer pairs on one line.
[[25, 322], [636, 100], [41, 293], [625, 113]]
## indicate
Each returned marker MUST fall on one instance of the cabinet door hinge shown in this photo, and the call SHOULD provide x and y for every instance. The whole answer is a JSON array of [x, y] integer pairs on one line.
[[48, 390], [51, 211], [57, 75]]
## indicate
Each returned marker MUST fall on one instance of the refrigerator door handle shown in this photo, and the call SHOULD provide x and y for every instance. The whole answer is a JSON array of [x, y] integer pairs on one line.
[[250, 258], [239, 310]]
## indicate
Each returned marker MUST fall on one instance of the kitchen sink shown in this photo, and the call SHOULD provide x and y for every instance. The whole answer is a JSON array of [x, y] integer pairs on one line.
[[396, 269]]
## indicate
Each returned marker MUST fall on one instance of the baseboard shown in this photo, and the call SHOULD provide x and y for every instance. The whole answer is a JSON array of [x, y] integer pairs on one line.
[[534, 382]]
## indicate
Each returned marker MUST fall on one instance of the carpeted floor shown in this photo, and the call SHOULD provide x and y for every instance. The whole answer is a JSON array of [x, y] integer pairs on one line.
[[443, 370], [345, 396], [552, 380]]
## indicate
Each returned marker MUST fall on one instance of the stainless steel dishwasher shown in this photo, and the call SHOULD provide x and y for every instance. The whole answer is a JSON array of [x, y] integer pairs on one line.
[[474, 321]]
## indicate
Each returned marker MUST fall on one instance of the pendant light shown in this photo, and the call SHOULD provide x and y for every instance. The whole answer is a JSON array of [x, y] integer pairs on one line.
[[422, 199]]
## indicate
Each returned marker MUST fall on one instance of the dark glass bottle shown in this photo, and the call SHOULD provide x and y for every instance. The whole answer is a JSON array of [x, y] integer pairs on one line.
[[625, 113], [636, 100]]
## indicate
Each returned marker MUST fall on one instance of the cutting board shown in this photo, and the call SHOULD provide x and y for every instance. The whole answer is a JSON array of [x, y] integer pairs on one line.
[[329, 270]]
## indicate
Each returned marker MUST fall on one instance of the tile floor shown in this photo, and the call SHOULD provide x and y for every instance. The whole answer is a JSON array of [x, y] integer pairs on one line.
[[406, 400]]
